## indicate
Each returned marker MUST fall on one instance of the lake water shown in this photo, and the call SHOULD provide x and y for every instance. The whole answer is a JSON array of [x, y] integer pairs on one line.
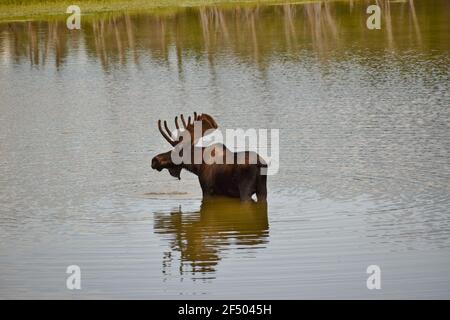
[[364, 165]]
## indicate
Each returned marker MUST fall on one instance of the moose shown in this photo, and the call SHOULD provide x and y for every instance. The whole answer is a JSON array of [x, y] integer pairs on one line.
[[242, 178]]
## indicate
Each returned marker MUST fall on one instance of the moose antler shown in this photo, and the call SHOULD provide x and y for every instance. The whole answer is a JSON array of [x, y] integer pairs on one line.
[[206, 120], [166, 136]]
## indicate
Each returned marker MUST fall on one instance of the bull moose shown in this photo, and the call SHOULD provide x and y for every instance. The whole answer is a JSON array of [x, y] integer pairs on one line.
[[241, 178]]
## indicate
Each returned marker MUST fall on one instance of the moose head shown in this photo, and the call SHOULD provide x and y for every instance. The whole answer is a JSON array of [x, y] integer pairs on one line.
[[177, 139]]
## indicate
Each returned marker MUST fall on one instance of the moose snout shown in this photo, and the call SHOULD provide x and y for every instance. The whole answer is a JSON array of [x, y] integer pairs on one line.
[[156, 164]]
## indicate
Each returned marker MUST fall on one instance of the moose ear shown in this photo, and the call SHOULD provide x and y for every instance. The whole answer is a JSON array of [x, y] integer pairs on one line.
[[175, 171], [208, 125]]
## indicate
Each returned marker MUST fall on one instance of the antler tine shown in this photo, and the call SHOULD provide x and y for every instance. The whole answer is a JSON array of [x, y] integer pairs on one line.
[[164, 134], [168, 131], [182, 120], [195, 116], [176, 123]]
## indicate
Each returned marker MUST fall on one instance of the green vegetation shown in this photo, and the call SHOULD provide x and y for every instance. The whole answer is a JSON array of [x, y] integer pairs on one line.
[[34, 9]]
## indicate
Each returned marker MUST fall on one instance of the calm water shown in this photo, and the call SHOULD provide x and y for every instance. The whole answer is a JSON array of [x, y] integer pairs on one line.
[[364, 119]]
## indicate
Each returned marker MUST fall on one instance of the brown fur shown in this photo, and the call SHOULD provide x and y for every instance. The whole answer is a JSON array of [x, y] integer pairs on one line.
[[237, 180]]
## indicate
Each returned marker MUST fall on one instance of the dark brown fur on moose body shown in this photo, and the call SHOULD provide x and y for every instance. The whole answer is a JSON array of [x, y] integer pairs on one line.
[[241, 179]]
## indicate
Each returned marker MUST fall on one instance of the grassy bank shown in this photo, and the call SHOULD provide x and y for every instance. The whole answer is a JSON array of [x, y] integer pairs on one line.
[[33, 9]]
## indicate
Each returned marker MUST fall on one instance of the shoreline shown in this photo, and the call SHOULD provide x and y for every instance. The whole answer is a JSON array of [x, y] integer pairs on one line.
[[11, 10]]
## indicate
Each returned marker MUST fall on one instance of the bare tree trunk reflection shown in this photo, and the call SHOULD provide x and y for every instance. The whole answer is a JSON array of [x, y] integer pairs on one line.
[[241, 31]]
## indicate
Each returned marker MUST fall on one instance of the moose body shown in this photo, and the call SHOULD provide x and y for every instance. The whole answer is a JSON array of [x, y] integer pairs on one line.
[[242, 178]]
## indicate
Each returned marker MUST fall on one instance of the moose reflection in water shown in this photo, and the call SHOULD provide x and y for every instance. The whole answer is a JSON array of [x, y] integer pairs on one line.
[[202, 237]]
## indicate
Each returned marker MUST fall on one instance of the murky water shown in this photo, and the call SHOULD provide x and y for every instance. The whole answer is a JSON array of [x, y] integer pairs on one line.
[[364, 176]]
